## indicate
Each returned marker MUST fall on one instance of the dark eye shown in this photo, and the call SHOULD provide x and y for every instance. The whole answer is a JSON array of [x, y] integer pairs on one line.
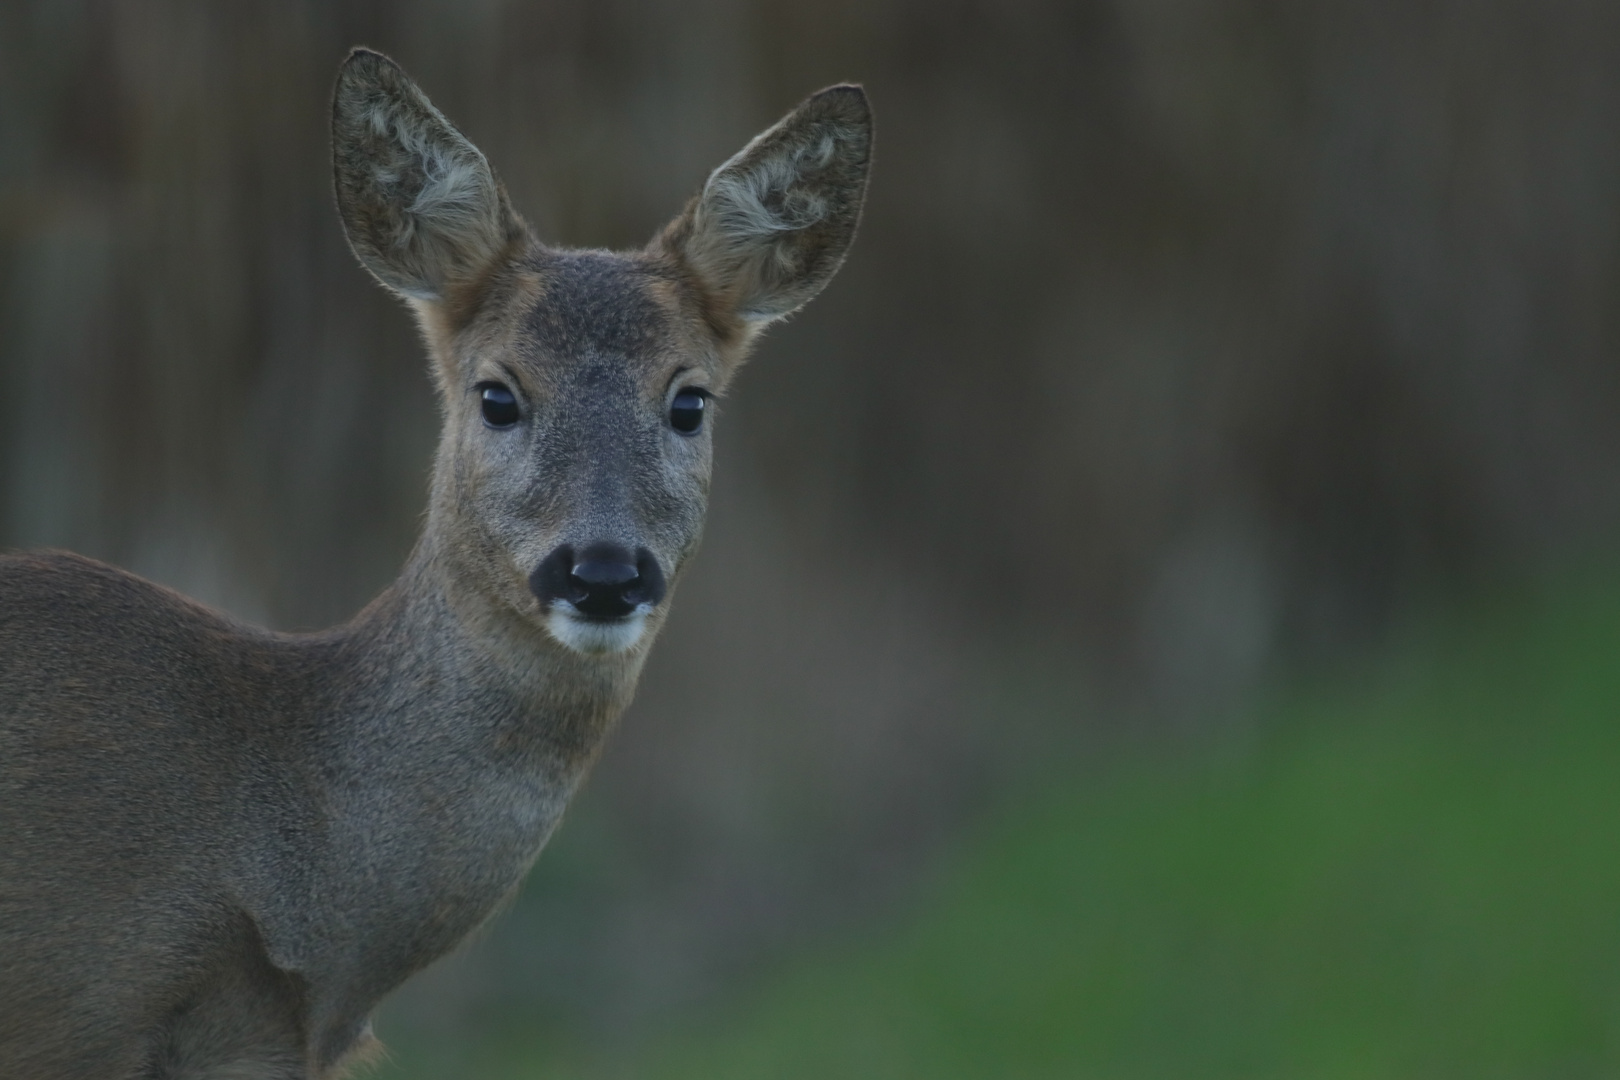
[[499, 404], [686, 411]]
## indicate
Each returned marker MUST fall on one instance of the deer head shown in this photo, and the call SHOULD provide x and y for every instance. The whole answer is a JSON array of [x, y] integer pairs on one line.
[[572, 476]]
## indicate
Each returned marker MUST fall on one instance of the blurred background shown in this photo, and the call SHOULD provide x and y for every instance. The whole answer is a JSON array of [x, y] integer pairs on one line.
[[1148, 482]]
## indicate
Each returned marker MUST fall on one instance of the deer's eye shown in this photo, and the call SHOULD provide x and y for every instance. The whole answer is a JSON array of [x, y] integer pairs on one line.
[[686, 411], [499, 404]]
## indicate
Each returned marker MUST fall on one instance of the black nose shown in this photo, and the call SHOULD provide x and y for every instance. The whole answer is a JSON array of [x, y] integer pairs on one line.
[[605, 581]]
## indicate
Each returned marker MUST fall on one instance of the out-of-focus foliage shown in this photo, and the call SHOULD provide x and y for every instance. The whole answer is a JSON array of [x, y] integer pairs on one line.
[[1181, 340], [1407, 874]]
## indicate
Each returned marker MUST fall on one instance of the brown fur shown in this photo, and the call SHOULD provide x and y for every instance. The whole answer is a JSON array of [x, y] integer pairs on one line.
[[221, 846]]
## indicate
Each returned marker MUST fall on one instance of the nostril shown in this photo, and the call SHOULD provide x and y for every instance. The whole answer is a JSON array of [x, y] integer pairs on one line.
[[551, 579], [649, 578]]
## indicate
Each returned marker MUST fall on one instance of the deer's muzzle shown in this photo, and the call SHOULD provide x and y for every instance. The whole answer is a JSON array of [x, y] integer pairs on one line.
[[603, 581]]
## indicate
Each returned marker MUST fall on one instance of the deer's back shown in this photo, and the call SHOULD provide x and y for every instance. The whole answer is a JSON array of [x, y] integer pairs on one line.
[[136, 727]]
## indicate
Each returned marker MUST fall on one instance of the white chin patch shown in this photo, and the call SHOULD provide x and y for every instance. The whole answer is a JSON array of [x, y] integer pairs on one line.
[[595, 637]]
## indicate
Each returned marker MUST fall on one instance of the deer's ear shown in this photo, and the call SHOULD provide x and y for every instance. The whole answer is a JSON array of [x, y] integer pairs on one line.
[[419, 203], [773, 224]]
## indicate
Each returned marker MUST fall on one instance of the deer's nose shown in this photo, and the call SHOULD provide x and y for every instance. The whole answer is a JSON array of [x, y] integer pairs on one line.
[[604, 581], [601, 583]]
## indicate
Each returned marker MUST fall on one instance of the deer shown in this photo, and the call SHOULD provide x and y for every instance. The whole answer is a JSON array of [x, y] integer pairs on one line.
[[221, 846]]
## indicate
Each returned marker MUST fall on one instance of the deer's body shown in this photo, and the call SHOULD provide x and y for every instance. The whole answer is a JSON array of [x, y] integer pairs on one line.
[[350, 804], [221, 846]]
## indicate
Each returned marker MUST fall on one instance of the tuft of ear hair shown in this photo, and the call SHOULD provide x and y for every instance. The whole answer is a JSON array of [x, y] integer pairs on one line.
[[420, 205], [773, 224]]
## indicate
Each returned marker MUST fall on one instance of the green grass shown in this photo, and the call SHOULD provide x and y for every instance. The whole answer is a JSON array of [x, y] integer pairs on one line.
[[1414, 872]]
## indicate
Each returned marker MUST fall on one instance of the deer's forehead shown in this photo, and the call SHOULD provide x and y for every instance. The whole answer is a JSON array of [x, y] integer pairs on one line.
[[587, 313]]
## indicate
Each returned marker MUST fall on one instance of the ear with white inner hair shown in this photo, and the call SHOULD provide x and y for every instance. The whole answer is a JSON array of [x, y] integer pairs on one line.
[[773, 224], [420, 205]]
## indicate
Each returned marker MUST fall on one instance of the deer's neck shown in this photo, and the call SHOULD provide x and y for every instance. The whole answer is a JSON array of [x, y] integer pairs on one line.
[[450, 667], [451, 736], [462, 715]]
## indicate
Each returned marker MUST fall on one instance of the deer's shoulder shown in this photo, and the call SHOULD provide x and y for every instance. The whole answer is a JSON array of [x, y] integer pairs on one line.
[[85, 644], [45, 593]]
